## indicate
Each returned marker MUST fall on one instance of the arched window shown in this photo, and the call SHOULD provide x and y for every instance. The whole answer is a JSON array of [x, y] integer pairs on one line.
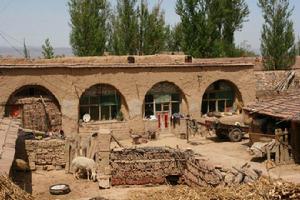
[[101, 102], [164, 98], [221, 96]]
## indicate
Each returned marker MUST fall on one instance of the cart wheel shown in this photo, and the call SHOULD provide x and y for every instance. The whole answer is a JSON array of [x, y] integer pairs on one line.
[[235, 135]]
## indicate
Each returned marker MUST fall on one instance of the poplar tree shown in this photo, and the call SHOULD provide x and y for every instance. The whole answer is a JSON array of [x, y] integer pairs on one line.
[[125, 28], [89, 23], [298, 47], [277, 38], [152, 29], [48, 51], [208, 26]]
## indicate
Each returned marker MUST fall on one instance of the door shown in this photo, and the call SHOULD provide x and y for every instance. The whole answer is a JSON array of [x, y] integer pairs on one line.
[[163, 115]]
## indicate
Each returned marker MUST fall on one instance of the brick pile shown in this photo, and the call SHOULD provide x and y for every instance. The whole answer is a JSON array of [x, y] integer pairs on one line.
[[47, 155], [37, 117], [141, 166]]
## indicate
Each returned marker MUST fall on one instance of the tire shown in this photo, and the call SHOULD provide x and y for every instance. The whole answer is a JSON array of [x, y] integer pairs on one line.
[[235, 135], [59, 189]]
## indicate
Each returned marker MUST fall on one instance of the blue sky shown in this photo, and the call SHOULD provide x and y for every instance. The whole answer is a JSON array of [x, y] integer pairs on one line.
[[36, 20]]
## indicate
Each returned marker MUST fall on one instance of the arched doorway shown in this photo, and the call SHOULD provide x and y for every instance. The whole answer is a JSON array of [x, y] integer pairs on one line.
[[164, 102], [222, 96], [36, 106], [103, 102]]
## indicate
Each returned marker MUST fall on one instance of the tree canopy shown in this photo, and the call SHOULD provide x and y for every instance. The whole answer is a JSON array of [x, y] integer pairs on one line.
[[48, 51], [277, 38], [89, 23]]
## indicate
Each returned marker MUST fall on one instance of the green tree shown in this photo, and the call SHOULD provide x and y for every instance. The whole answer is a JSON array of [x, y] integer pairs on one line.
[[208, 26], [298, 47], [152, 29], [48, 51], [277, 38], [124, 39], [174, 38], [26, 51], [89, 23], [235, 13]]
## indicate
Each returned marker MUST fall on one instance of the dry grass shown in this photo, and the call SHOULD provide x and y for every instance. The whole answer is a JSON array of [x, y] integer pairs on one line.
[[260, 190]]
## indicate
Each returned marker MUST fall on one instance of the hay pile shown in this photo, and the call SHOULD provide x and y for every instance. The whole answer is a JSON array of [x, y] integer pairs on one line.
[[10, 191], [260, 190]]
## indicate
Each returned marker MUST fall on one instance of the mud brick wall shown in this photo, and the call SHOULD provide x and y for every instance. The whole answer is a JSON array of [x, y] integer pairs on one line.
[[36, 116], [200, 172], [142, 166], [48, 154]]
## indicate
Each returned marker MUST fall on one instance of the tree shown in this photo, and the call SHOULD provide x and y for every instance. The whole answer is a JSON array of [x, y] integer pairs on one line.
[[277, 38], [89, 23], [48, 51], [124, 39], [298, 47], [235, 13], [152, 29], [208, 26], [174, 38], [26, 51]]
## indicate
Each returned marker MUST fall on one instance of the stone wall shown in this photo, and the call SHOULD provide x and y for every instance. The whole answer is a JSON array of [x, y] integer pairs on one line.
[[46, 154]]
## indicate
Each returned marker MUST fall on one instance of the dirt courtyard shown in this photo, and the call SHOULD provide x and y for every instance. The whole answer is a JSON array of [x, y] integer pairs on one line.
[[225, 153]]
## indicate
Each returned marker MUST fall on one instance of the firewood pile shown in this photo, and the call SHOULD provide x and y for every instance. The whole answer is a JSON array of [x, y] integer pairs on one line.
[[10, 191], [262, 189]]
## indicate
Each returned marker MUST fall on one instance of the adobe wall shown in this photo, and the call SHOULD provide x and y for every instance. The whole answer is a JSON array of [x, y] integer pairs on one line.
[[45, 154], [153, 165], [67, 85]]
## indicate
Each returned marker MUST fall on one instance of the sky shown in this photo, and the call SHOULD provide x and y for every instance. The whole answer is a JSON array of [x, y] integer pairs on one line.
[[36, 20]]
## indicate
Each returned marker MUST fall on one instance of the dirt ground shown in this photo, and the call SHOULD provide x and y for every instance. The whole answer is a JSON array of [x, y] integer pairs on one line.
[[224, 153]]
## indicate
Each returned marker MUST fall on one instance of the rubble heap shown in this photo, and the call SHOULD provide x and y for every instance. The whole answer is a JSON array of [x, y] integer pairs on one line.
[[8, 190]]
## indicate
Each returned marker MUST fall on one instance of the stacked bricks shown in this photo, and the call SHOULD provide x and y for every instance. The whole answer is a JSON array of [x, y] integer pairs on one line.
[[45, 154], [141, 166], [36, 116]]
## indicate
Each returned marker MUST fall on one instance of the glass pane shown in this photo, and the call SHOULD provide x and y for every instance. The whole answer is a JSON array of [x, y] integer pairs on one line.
[[84, 100], [158, 107], [149, 99], [166, 107], [212, 95], [83, 110], [114, 112], [94, 112], [204, 108], [105, 115], [163, 98], [221, 106], [175, 108], [212, 106], [175, 97], [109, 100], [149, 110], [94, 100]]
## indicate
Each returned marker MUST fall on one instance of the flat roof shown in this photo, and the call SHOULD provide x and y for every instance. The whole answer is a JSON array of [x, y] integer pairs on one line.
[[122, 62]]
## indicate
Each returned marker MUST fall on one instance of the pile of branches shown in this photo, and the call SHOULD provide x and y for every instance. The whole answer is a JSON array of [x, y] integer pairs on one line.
[[263, 189], [10, 191]]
